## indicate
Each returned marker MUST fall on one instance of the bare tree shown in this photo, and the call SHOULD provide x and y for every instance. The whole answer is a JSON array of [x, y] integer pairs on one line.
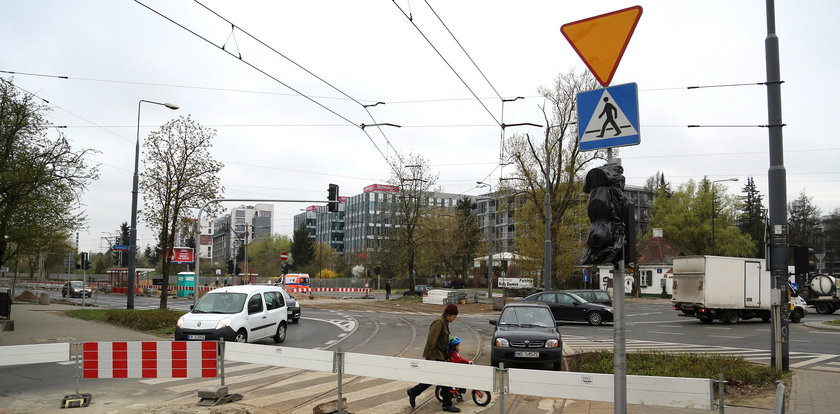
[[555, 165], [415, 179], [180, 174]]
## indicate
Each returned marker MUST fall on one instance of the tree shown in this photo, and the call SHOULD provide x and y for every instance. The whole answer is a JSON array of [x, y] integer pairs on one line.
[[804, 221], [264, 254], [832, 238], [565, 165], [753, 216], [151, 256], [303, 248], [120, 258], [41, 177], [686, 218], [415, 179], [657, 182], [179, 174]]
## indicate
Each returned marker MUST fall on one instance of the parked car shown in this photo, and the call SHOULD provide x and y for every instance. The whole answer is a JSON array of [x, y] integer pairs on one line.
[[75, 288], [292, 306], [526, 333], [242, 313], [593, 295], [454, 284], [566, 306], [419, 290]]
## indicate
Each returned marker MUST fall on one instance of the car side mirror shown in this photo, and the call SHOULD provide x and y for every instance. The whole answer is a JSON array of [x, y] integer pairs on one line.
[[191, 307], [493, 322], [576, 303]]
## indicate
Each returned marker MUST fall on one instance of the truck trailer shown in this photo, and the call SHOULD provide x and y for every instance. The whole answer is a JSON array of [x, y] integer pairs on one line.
[[725, 288]]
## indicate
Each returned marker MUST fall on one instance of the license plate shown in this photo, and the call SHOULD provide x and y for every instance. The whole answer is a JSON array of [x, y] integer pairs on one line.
[[195, 337], [526, 354]]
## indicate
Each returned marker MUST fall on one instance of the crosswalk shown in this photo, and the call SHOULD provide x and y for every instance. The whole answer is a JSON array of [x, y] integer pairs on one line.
[[825, 362]]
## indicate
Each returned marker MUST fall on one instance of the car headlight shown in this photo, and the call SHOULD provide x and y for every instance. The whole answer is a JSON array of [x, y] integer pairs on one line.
[[180, 322], [552, 343], [502, 342], [224, 323]]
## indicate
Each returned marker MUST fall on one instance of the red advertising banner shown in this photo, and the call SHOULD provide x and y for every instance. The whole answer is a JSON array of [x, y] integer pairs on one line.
[[182, 255]]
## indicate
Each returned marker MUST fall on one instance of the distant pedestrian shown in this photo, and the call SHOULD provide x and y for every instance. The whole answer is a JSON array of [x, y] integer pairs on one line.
[[226, 282], [436, 346], [217, 281], [387, 290]]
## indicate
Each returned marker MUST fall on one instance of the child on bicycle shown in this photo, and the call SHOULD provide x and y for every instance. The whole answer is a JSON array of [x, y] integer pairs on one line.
[[453, 354]]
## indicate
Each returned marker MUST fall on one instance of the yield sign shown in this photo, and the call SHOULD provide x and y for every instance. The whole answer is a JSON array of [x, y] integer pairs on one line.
[[600, 41]]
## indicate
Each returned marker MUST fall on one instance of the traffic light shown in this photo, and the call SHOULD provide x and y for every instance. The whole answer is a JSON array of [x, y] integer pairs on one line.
[[285, 268], [332, 198], [238, 269], [377, 270], [84, 263], [607, 211], [230, 268]]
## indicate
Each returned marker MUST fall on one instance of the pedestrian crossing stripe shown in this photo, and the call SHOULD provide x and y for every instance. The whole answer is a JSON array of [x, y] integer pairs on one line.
[[608, 117]]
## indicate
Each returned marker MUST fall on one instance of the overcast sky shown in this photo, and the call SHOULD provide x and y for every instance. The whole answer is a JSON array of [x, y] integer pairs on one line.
[[276, 144]]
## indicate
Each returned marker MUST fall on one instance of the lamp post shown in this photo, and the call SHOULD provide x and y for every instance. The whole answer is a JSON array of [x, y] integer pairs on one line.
[[491, 239], [132, 234], [713, 210]]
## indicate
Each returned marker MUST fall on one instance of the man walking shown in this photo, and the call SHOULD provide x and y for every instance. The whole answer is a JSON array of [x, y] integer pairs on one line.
[[387, 290], [435, 350]]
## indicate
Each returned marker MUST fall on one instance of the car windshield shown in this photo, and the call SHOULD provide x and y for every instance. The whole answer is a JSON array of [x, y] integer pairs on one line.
[[526, 316], [223, 302], [76, 284]]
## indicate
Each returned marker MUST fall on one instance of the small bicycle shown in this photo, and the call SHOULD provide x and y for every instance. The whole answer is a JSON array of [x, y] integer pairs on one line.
[[480, 398]]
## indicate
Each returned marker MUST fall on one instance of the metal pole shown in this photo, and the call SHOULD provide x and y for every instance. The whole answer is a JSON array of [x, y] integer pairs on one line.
[[777, 180], [490, 241], [547, 243], [619, 350], [713, 218]]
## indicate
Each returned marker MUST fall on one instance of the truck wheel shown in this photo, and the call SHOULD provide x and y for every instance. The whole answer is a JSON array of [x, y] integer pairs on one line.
[[705, 319], [823, 307], [730, 317], [796, 316]]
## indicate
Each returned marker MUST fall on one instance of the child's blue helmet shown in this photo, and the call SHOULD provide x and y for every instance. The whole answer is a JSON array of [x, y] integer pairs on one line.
[[453, 341]]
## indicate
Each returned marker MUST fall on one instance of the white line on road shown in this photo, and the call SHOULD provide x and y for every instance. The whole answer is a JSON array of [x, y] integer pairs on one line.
[[799, 340], [717, 327], [813, 360], [726, 336], [643, 314], [668, 326], [665, 333], [672, 321]]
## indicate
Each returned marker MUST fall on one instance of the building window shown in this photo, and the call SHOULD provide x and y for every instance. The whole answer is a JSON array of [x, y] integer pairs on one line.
[[646, 277]]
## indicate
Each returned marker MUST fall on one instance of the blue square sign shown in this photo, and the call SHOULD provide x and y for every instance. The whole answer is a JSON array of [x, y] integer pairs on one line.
[[608, 117]]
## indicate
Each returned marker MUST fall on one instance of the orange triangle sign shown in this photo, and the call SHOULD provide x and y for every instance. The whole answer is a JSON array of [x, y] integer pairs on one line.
[[600, 41]]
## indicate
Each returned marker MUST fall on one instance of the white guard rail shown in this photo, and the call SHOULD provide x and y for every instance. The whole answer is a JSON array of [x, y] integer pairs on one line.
[[476, 377], [645, 390], [34, 354], [281, 356]]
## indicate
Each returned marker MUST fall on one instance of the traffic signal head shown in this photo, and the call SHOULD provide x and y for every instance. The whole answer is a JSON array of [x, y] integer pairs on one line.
[[377, 270], [332, 198], [230, 268], [607, 212]]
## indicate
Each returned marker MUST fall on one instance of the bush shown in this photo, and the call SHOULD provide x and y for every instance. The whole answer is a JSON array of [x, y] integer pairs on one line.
[[158, 321], [737, 371]]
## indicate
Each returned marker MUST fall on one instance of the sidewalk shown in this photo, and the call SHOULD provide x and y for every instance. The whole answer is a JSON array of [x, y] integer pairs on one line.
[[813, 392]]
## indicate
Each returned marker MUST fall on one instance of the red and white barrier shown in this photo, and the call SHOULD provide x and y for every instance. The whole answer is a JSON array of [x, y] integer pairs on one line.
[[159, 359]]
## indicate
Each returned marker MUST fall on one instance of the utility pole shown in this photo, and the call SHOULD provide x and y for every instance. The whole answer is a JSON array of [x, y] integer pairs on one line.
[[777, 180]]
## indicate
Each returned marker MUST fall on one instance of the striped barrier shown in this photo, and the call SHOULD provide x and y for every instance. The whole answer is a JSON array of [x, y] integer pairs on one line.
[[157, 359]]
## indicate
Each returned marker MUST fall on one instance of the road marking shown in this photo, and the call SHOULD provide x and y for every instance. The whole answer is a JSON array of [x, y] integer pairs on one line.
[[824, 333], [666, 333], [671, 321], [813, 361], [643, 314], [725, 336], [717, 327], [799, 340], [668, 326]]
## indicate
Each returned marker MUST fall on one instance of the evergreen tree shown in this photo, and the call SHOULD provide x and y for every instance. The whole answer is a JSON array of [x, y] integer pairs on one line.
[[753, 216], [303, 248], [804, 221]]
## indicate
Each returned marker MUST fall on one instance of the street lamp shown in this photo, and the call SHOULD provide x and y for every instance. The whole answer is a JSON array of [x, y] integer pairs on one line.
[[713, 209], [132, 235]]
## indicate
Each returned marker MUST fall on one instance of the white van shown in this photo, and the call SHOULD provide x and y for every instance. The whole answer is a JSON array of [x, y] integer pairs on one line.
[[244, 313]]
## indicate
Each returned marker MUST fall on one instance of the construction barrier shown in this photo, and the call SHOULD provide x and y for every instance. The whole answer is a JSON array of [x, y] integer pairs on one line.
[[175, 288], [34, 354], [157, 359]]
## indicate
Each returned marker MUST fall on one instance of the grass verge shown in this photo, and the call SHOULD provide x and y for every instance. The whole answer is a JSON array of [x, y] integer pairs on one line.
[[741, 376], [835, 322], [154, 321]]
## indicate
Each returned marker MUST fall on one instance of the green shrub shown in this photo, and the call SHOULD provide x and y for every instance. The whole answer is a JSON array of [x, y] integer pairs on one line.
[[158, 321], [736, 370]]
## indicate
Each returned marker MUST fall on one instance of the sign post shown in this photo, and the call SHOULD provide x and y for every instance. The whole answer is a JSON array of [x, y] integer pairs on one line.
[[600, 41]]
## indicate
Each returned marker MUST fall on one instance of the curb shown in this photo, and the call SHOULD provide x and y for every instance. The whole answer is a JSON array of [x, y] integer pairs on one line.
[[823, 325]]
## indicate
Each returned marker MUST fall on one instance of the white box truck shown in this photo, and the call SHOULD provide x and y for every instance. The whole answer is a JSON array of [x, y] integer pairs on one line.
[[725, 288]]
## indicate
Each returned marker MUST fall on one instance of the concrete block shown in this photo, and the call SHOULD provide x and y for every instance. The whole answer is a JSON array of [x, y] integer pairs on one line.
[[330, 407], [44, 299], [213, 391], [7, 325]]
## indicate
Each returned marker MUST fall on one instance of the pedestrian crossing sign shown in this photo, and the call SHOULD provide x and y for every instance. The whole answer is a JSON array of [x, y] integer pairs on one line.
[[608, 117]]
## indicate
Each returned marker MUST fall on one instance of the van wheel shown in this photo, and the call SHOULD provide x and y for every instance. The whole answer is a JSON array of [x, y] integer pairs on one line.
[[280, 336], [241, 336], [594, 318], [730, 317]]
